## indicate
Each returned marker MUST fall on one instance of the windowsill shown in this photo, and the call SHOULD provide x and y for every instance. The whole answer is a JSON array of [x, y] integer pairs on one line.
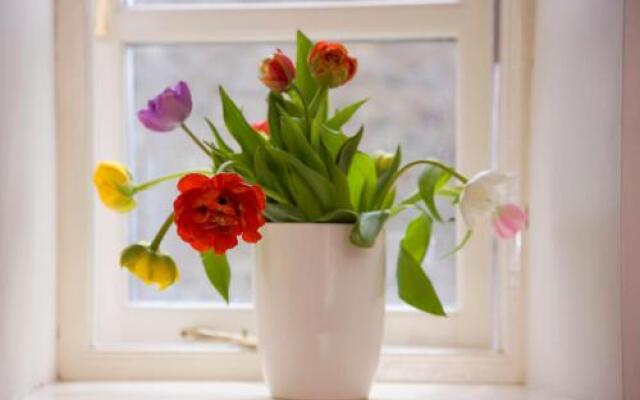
[[257, 391]]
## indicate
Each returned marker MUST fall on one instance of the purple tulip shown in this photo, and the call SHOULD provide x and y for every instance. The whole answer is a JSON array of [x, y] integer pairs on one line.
[[167, 110]]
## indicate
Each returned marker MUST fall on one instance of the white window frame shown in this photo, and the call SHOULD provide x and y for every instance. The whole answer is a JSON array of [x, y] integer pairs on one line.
[[104, 337]]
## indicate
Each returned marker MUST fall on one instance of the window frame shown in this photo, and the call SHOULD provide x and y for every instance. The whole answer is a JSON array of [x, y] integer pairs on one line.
[[91, 347]]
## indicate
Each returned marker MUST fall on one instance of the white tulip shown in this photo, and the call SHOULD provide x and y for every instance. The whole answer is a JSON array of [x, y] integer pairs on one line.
[[482, 195]]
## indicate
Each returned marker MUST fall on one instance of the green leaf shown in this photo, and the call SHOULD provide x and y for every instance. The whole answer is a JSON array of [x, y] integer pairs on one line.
[[431, 180], [417, 237], [362, 181], [305, 197], [338, 216], [367, 228], [238, 126], [383, 186], [414, 287], [341, 187], [267, 179], [282, 213], [343, 115], [323, 190], [217, 268], [243, 166], [348, 150], [298, 145], [332, 140], [389, 199], [460, 245], [305, 82], [217, 137]]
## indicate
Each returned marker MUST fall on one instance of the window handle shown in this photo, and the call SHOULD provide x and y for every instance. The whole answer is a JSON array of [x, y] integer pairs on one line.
[[203, 334]]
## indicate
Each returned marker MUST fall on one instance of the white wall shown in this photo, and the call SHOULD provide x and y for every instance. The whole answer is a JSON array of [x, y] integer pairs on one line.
[[574, 286], [27, 196]]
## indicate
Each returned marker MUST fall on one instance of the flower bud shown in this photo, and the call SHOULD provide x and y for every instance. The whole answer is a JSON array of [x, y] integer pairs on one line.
[[149, 265], [383, 161], [167, 110], [277, 72], [113, 183], [330, 64]]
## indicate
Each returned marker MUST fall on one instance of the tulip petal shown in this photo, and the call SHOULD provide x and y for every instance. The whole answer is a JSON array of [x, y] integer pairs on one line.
[[481, 195], [192, 181], [509, 220], [154, 122]]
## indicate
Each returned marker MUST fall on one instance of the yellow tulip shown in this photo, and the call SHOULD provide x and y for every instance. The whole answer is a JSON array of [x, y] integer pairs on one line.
[[383, 161], [149, 265], [113, 183]]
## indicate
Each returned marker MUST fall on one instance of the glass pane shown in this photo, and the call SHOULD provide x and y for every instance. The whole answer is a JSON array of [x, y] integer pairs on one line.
[[411, 86]]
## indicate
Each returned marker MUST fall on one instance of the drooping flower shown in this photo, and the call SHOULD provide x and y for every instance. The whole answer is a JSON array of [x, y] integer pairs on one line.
[[112, 181], [485, 195], [331, 65], [168, 110], [149, 265], [211, 212], [277, 72], [262, 128]]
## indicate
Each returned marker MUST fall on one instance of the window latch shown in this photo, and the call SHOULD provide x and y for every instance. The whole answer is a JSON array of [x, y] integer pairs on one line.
[[203, 334]]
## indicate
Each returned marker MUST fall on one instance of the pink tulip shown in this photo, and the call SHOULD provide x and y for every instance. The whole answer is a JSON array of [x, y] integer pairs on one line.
[[508, 220]]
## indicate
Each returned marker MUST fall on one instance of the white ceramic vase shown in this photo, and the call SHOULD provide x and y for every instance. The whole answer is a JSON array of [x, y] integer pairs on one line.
[[320, 311]]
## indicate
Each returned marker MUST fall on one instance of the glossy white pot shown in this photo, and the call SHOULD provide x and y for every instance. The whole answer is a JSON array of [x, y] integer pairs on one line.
[[320, 311]]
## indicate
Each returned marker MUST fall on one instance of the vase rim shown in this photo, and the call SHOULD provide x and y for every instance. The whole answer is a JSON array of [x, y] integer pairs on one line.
[[310, 223]]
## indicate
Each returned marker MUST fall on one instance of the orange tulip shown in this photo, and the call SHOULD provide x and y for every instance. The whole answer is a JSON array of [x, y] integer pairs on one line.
[[331, 65]]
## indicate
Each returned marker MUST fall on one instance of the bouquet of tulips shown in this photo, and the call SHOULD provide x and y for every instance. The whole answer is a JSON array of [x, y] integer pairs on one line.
[[298, 166]]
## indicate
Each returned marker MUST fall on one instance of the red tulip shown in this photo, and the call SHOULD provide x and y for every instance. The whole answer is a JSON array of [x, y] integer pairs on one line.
[[277, 72], [331, 65], [211, 212], [262, 128]]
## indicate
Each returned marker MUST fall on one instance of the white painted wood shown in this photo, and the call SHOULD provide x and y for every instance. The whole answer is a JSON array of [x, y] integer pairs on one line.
[[28, 197], [470, 324], [144, 342], [257, 391], [574, 320]]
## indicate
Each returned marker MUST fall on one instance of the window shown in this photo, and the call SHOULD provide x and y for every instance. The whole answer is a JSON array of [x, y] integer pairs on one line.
[[430, 71]]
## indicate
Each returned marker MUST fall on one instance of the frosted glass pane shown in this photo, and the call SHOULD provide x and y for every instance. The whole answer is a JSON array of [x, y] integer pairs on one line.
[[411, 86]]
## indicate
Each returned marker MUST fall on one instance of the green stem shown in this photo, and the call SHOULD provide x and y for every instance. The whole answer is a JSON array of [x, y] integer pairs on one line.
[[454, 192], [399, 208], [304, 105], [197, 141], [389, 184], [163, 231], [435, 163], [153, 182], [413, 198]]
